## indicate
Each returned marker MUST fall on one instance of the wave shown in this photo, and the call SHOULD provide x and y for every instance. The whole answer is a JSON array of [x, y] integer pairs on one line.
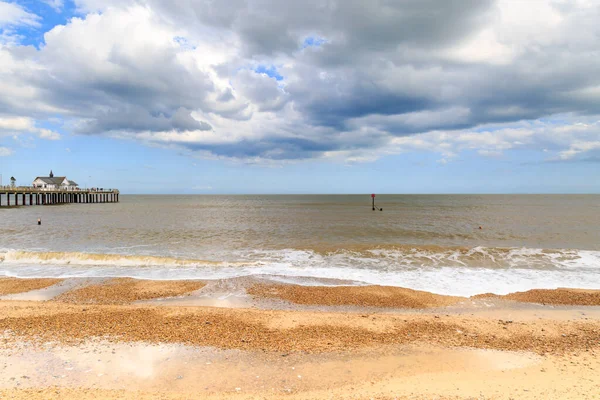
[[408, 257], [381, 257], [444, 270], [91, 259]]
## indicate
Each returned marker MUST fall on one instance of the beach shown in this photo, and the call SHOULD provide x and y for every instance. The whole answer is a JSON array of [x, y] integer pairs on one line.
[[302, 297], [124, 338]]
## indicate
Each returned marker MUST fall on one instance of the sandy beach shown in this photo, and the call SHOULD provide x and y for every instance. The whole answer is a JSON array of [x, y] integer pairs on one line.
[[126, 338]]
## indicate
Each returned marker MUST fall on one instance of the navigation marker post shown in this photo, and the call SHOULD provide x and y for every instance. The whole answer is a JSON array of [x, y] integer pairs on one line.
[[373, 198]]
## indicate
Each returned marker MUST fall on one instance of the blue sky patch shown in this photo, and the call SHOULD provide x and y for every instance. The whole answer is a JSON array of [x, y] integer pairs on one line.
[[270, 71], [49, 18], [313, 41]]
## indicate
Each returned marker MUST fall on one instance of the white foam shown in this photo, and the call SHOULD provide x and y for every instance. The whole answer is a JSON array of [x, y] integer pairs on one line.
[[447, 271]]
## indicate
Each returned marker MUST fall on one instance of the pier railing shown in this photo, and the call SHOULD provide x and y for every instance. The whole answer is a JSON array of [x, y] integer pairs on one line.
[[31, 196], [28, 189]]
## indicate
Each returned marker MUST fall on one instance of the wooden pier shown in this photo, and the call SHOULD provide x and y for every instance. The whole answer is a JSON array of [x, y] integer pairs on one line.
[[29, 196]]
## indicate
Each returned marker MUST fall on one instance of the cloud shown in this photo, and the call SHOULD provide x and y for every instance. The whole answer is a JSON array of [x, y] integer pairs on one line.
[[577, 148], [12, 14], [5, 151], [57, 5], [202, 187], [271, 81], [17, 125], [552, 137]]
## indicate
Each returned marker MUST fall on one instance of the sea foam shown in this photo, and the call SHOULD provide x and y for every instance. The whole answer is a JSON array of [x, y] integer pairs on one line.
[[452, 271]]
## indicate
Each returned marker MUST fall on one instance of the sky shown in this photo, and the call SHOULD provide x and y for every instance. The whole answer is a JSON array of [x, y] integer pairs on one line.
[[311, 96]]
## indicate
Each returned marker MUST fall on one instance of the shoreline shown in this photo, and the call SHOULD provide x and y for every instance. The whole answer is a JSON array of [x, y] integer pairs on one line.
[[121, 290], [448, 270], [252, 338]]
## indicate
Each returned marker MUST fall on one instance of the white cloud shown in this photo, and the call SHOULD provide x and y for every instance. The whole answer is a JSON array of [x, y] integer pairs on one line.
[[57, 5], [578, 139], [18, 125], [12, 14], [5, 152], [202, 187], [385, 77], [578, 148], [48, 134]]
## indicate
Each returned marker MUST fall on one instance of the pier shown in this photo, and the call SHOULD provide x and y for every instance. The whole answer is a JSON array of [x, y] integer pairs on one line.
[[30, 196]]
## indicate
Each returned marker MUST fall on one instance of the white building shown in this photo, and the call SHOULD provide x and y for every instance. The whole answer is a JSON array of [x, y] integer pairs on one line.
[[54, 183]]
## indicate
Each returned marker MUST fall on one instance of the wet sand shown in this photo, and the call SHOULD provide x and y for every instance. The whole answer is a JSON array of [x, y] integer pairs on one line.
[[561, 296], [14, 285], [127, 290], [98, 342], [363, 296]]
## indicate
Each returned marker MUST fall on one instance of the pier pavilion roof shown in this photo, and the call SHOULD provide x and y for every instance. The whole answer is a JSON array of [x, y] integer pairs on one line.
[[54, 180]]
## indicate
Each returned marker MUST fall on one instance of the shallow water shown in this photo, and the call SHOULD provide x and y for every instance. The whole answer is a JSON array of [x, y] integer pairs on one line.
[[424, 242]]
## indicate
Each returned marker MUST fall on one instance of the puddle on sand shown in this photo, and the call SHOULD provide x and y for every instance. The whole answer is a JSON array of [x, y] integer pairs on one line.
[[178, 368], [52, 291], [225, 293]]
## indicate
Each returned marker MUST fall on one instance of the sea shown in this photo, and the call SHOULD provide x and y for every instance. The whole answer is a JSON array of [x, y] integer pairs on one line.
[[447, 244]]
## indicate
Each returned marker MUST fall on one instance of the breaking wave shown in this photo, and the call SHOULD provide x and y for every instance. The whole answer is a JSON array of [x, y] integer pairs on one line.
[[445, 270], [75, 258]]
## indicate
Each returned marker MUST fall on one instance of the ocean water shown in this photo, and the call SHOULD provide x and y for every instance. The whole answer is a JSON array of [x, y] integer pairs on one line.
[[425, 242]]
